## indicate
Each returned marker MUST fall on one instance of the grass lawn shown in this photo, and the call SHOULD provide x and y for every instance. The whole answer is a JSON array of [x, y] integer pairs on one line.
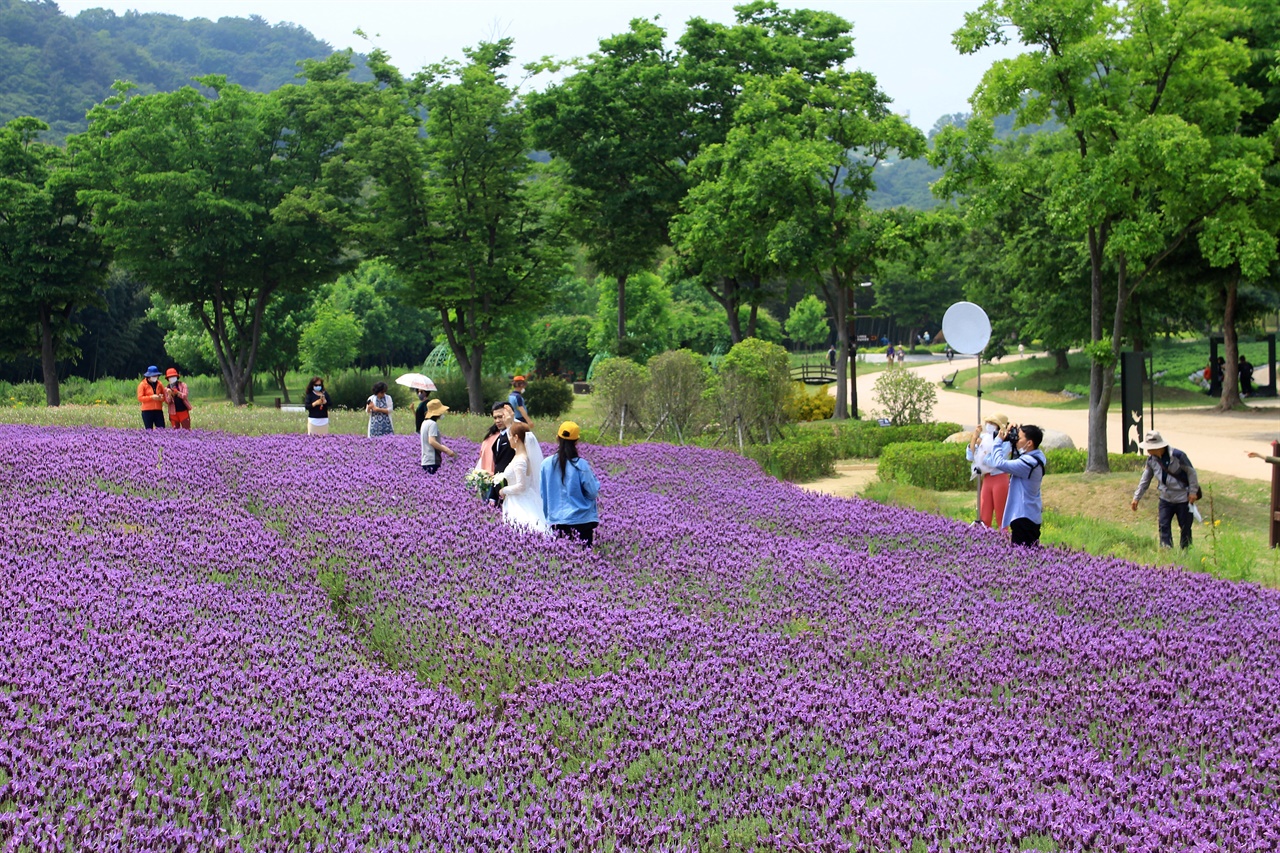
[[1035, 381], [1090, 512]]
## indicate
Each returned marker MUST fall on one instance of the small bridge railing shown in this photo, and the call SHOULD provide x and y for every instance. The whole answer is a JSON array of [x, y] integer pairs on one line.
[[814, 374]]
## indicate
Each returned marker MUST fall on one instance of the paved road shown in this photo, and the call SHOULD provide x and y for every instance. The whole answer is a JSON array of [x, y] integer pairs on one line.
[[1215, 441]]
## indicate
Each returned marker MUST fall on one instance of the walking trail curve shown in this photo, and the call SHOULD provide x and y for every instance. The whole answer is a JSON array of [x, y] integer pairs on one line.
[[1215, 441]]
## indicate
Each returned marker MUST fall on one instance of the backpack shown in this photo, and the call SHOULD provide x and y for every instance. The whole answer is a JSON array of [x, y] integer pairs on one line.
[[1182, 475]]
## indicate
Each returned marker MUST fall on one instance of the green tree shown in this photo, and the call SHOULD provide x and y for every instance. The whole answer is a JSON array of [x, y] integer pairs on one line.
[[52, 261], [224, 201], [329, 343], [755, 384], [649, 331], [1147, 96], [807, 323], [467, 219], [616, 128], [395, 330], [790, 149]]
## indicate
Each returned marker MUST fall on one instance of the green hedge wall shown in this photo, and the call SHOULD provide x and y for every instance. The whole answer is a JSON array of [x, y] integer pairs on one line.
[[867, 439], [926, 464], [803, 456]]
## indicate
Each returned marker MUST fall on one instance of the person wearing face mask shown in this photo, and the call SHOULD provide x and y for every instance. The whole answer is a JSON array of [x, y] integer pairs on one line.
[[179, 401], [1024, 508], [152, 396], [984, 442], [316, 403]]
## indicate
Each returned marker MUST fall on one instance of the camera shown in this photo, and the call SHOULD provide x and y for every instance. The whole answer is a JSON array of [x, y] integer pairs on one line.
[[1013, 435]]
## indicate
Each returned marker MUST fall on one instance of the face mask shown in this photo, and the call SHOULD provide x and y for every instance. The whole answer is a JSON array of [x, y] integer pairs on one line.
[[991, 429], [173, 381], [317, 388]]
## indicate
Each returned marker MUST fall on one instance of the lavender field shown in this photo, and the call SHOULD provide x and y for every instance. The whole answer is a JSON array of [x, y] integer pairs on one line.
[[211, 642]]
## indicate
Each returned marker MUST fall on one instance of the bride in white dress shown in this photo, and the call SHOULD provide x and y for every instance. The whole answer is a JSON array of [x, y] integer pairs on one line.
[[522, 494]]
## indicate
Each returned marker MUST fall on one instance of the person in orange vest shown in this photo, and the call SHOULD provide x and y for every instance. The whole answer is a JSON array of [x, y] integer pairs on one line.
[[179, 402], [152, 396]]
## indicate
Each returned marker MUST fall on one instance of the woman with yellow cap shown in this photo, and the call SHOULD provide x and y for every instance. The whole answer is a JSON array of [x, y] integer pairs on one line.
[[570, 488]]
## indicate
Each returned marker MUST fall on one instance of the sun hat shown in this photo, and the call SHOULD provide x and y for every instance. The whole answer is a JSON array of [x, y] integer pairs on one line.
[[435, 407], [172, 371], [152, 370], [569, 431], [515, 379], [1153, 441], [998, 419]]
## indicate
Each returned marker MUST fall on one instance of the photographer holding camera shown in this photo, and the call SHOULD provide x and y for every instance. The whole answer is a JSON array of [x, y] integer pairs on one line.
[[1024, 510]]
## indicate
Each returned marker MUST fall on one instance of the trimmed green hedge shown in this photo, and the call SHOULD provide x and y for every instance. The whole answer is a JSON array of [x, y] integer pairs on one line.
[[926, 464], [1072, 461], [867, 439], [943, 468], [548, 398], [803, 456]]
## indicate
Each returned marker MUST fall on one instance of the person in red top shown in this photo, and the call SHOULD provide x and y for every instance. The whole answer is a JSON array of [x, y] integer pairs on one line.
[[179, 401], [152, 396]]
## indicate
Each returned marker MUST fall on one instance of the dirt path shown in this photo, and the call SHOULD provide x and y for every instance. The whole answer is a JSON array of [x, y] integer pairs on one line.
[[1215, 441]]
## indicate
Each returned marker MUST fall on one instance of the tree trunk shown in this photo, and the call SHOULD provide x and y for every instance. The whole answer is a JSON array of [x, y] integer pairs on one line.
[[752, 314], [468, 362], [280, 376], [622, 312], [1060, 363], [48, 358], [840, 310], [1231, 340], [1099, 394]]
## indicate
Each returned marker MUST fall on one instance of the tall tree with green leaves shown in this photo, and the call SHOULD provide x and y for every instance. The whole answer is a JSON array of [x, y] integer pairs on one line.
[[1146, 93], [221, 201], [52, 261], [801, 154], [617, 128], [471, 224]]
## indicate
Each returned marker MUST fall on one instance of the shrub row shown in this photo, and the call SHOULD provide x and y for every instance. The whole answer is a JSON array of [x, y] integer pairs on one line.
[[803, 456], [544, 398], [867, 439], [943, 468]]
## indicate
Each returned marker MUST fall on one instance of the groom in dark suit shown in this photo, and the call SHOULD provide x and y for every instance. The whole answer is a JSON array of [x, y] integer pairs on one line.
[[502, 450]]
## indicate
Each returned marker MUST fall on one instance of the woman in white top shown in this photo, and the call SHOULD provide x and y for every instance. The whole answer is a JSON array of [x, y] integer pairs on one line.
[[522, 494], [379, 406], [995, 483]]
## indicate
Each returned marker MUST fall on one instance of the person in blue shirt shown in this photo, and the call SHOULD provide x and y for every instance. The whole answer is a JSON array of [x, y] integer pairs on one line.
[[1024, 509], [569, 489], [516, 399]]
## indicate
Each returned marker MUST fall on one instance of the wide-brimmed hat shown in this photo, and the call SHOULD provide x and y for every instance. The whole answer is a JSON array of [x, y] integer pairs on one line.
[[152, 370], [1153, 441], [998, 419], [171, 372], [569, 431], [435, 407]]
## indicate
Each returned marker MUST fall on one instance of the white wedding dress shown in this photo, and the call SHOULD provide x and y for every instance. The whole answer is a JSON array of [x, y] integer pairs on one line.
[[522, 501]]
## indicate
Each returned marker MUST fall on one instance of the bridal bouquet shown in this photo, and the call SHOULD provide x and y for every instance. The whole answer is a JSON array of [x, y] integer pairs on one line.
[[480, 481]]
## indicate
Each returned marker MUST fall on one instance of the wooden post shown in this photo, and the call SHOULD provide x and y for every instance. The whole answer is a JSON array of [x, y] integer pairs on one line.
[[1275, 497], [622, 423]]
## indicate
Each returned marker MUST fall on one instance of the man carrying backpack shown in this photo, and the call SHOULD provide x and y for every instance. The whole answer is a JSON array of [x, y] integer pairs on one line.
[[1179, 487]]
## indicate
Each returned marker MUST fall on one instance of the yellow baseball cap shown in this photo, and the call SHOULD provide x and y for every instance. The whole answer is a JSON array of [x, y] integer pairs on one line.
[[569, 430]]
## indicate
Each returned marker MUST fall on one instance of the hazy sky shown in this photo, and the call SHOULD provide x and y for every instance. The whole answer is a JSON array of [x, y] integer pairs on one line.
[[905, 43]]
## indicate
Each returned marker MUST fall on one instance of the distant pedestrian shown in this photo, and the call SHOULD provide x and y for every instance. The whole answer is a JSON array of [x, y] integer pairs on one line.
[[379, 406], [429, 435], [420, 411], [902, 355], [891, 355], [570, 489], [926, 337], [950, 353], [516, 399], [179, 400], [316, 402], [831, 355], [1178, 485], [152, 397], [1245, 369]]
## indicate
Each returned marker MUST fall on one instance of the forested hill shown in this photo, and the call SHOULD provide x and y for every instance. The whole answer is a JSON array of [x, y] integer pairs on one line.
[[56, 67]]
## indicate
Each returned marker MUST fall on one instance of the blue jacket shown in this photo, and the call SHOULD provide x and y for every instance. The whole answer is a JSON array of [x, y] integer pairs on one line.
[[1025, 474], [572, 501]]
